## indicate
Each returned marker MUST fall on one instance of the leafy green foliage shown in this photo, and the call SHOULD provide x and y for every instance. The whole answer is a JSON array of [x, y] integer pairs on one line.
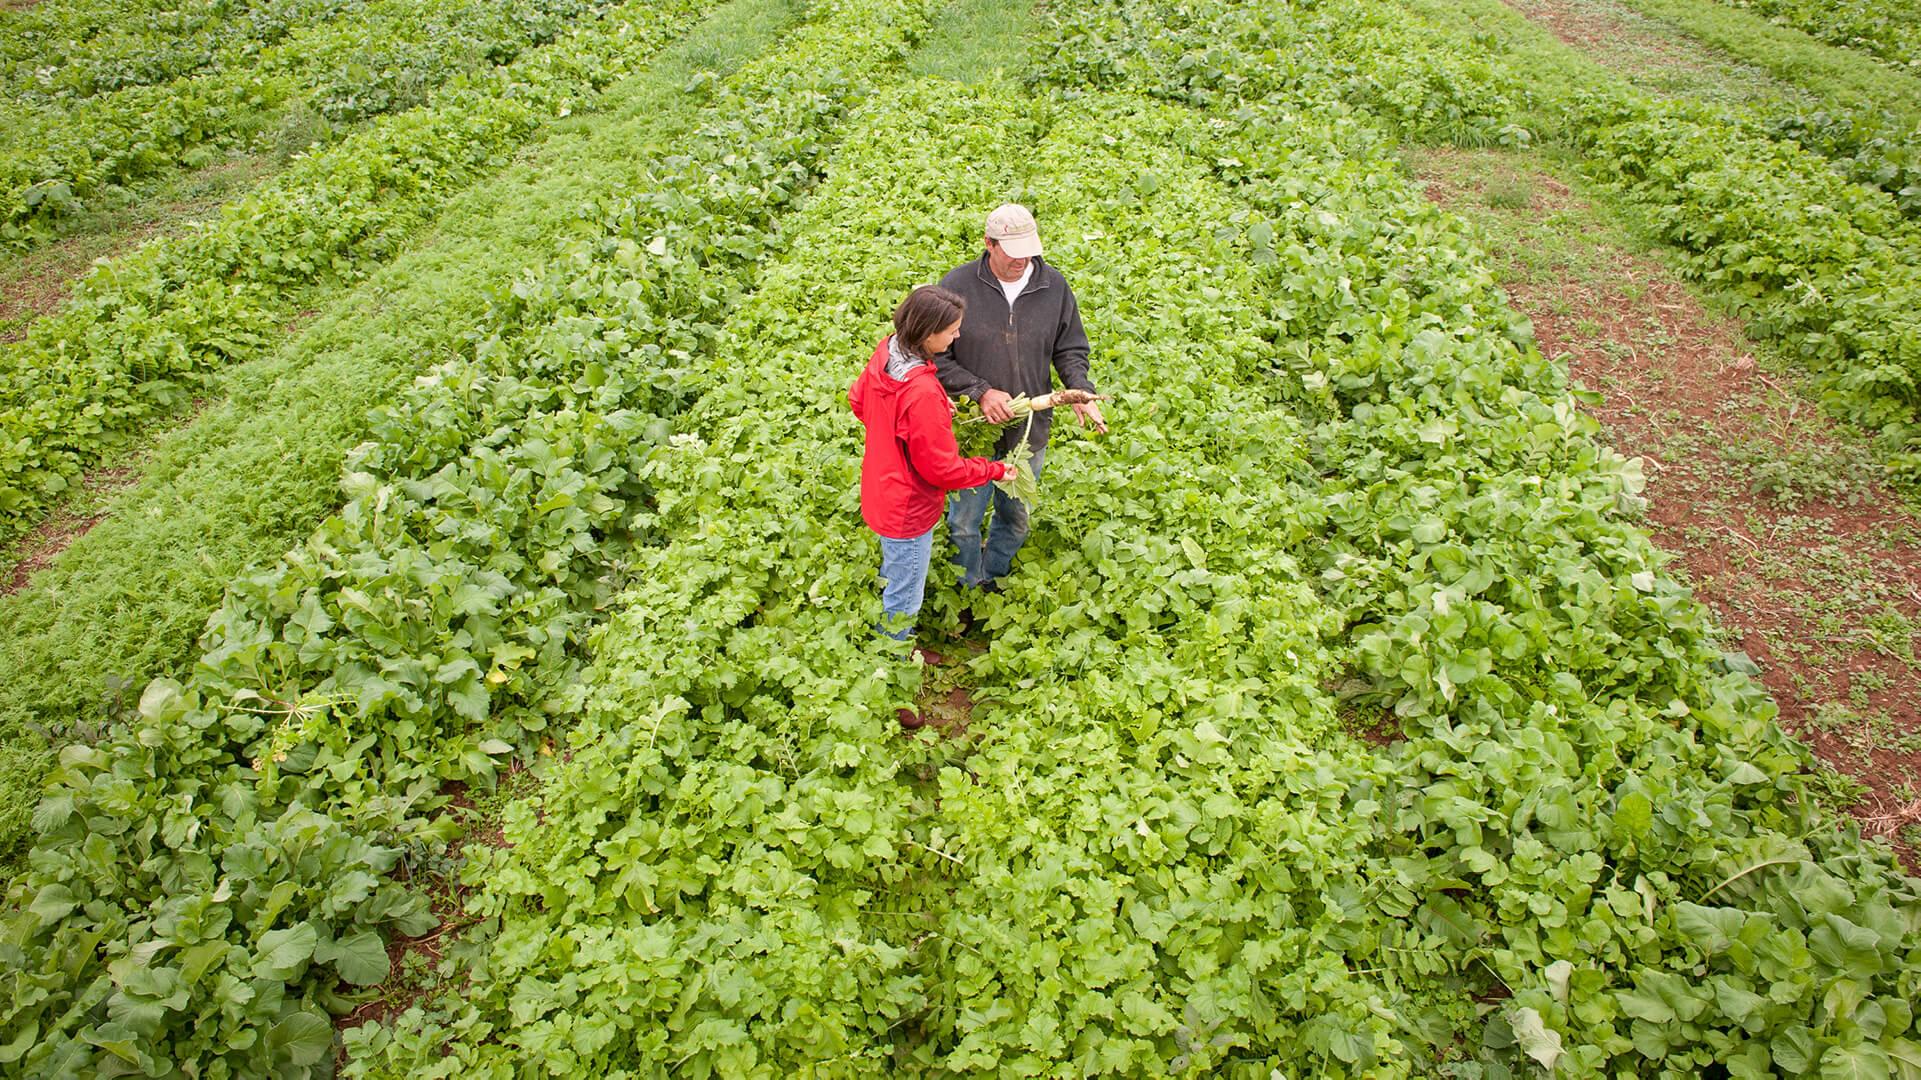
[[1342, 470], [1855, 112], [1577, 759], [254, 472], [1366, 56], [1340, 475], [1889, 30], [1817, 261], [423, 631], [144, 334], [375, 57], [73, 51]]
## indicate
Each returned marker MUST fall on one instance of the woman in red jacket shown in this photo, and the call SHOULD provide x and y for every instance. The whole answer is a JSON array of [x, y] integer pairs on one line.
[[911, 461]]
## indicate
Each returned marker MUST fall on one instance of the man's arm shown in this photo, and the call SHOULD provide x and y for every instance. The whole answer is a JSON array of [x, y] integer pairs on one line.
[[956, 379], [1070, 346]]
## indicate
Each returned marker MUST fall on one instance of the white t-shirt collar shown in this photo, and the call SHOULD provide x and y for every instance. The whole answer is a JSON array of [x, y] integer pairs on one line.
[[1013, 288]]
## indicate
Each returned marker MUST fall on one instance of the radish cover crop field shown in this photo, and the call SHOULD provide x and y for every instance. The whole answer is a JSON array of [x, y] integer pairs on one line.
[[1339, 719]]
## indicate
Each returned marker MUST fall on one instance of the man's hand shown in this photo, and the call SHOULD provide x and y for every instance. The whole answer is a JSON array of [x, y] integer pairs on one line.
[[994, 406], [1089, 413]]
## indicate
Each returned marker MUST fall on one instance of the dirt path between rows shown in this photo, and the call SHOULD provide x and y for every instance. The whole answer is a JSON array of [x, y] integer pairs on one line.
[[36, 283], [1777, 520]]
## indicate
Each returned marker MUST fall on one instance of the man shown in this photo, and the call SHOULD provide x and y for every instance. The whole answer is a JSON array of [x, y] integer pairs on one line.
[[1021, 320]]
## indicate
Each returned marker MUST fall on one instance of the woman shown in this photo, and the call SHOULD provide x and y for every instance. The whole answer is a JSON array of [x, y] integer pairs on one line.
[[911, 461]]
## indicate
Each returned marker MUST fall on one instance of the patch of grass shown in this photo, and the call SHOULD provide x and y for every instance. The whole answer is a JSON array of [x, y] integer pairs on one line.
[[1836, 76], [976, 41], [254, 473], [1509, 193]]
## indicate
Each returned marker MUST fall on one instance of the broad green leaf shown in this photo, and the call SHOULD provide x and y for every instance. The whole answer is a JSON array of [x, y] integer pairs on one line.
[[1845, 947], [1558, 973], [1634, 814], [52, 903], [302, 1037], [282, 953], [22, 1041], [1535, 1038], [1861, 1062], [360, 957], [1713, 929]]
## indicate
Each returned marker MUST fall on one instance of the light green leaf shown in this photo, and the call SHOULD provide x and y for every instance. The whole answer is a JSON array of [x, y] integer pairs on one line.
[[1862, 1062], [1539, 1041], [283, 952], [1558, 973]]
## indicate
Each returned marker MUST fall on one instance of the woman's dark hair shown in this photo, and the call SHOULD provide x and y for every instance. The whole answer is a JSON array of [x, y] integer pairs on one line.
[[927, 311]]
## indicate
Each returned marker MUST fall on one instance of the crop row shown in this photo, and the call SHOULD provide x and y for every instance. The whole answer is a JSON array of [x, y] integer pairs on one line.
[[71, 51], [1843, 105], [423, 632], [1839, 105], [1889, 30], [144, 334], [1865, 143], [1339, 465], [1582, 771], [254, 472], [56, 158], [1816, 261]]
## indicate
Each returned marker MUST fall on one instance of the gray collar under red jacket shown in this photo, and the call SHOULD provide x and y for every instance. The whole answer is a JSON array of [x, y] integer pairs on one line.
[[1013, 350]]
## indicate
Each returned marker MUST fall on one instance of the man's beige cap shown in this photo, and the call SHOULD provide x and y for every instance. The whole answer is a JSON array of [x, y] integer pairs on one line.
[[1014, 227]]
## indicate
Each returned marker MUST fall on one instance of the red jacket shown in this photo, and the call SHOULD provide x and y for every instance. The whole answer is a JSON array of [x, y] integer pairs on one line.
[[911, 461]]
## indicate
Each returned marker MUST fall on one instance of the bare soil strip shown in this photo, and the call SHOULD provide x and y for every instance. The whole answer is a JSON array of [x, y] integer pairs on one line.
[[51, 537], [1776, 519]]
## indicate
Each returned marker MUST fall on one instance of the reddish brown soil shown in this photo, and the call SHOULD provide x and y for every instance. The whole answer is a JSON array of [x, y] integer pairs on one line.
[[1683, 391], [1601, 32], [51, 537], [448, 898]]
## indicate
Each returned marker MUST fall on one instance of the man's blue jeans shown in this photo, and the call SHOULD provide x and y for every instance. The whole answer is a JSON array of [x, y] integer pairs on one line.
[[966, 509], [903, 571]]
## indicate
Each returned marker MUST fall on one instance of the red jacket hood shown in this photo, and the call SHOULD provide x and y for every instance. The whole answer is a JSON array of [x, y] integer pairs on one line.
[[910, 461], [879, 382]]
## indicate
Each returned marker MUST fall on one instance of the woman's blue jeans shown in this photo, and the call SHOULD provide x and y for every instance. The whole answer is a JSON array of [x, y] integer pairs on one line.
[[903, 572], [966, 508]]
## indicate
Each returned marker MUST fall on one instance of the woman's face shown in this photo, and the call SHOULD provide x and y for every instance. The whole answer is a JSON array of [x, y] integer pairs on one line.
[[939, 341]]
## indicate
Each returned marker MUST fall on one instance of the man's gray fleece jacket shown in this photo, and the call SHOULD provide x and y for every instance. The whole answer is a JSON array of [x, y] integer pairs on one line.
[[1011, 349]]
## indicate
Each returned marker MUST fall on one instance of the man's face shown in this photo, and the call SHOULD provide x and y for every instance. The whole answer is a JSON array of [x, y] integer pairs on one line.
[[1005, 266]]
